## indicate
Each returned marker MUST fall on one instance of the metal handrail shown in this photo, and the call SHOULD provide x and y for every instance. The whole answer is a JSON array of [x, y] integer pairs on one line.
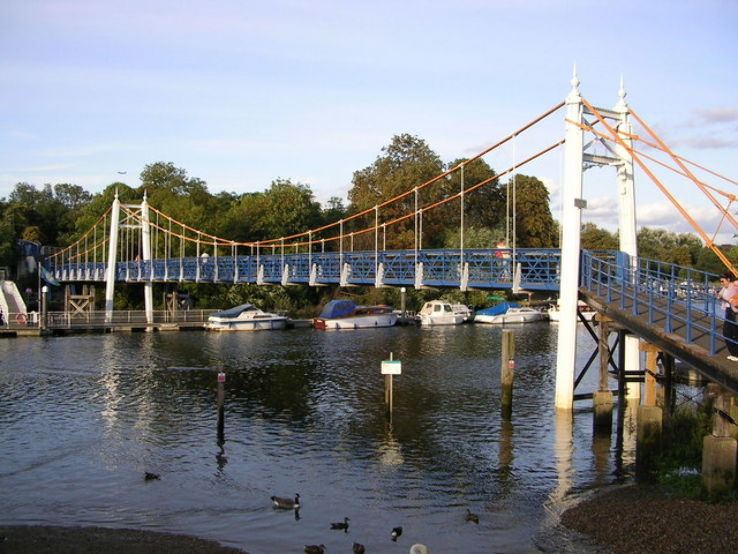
[[680, 296]]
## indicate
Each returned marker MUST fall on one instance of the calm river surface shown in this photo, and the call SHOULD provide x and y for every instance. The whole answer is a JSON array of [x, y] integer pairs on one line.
[[84, 417]]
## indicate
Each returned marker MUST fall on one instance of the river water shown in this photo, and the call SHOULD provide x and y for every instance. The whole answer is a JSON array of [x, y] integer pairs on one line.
[[84, 417]]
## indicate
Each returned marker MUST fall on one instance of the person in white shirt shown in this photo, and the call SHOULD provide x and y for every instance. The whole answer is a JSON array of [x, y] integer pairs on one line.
[[728, 296]]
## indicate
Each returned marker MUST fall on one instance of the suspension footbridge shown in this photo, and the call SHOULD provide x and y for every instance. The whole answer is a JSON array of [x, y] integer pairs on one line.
[[673, 307]]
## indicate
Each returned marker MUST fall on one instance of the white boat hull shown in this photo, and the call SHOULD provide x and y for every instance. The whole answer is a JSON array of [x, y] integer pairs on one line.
[[513, 315], [358, 322], [443, 319], [251, 325]]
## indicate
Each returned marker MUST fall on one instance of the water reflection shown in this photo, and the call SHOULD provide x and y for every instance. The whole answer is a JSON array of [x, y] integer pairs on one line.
[[390, 451], [300, 411]]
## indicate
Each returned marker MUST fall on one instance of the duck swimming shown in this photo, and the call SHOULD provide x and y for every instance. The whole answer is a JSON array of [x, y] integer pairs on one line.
[[286, 503], [471, 516], [341, 525]]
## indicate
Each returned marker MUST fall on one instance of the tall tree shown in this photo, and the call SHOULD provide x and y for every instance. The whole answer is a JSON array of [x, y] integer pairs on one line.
[[596, 238], [535, 227], [404, 164], [484, 207], [284, 209], [187, 199]]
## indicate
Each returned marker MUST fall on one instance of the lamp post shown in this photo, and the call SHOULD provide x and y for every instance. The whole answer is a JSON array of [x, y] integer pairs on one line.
[[44, 307]]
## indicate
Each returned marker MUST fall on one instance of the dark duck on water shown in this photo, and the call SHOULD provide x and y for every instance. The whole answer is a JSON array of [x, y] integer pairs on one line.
[[341, 525]]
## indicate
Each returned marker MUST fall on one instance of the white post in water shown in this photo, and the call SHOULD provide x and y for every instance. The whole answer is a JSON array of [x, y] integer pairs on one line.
[[627, 223], [146, 240], [570, 249], [112, 254]]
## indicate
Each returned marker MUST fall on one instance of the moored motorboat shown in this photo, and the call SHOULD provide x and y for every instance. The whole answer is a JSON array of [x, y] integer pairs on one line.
[[345, 314], [509, 312], [245, 317], [439, 312], [463, 310]]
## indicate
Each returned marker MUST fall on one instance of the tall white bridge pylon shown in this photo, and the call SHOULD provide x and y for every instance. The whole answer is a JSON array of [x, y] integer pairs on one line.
[[578, 157]]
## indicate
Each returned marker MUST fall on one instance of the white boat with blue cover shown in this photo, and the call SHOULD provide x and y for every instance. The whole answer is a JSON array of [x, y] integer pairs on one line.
[[245, 317], [509, 312], [344, 314]]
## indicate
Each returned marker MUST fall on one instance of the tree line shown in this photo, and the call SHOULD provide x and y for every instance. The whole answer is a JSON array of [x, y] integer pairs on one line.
[[58, 214]]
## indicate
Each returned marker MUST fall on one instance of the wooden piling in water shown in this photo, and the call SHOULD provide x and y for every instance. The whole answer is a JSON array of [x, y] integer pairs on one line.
[[507, 372], [221, 406], [602, 399], [389, 369]]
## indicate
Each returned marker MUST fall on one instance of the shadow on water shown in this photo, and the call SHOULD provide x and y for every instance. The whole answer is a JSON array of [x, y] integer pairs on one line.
[[300, 411]]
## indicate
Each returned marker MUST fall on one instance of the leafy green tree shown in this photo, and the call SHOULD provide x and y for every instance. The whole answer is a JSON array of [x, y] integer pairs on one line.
[[708, 261], [474, 237], [333, 211], [666, 246], [535, 227], [485, 206], [596, 238], [72, 197], [184, 198], [404, 164], [284, 209]]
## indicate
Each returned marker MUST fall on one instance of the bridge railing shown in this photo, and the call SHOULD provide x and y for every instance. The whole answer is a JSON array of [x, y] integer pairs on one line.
[[473, 268], [671, 297]]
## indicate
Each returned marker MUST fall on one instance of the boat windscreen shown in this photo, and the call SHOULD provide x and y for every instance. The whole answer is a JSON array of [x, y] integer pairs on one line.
[[337, 308], [234, 312]]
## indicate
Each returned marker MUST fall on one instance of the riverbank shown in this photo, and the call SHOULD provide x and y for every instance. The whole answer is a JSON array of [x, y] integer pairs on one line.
[[649, 518], [43, 539]]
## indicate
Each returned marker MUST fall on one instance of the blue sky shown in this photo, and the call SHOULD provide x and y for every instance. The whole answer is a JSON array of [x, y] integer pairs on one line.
[[239, 93]]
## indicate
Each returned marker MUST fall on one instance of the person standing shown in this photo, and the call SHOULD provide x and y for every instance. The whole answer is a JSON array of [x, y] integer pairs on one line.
[[728, 296], [503, 259]]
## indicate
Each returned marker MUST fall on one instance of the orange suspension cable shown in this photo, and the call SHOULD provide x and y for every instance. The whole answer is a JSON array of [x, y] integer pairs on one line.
[[666, 149], [661, 187]]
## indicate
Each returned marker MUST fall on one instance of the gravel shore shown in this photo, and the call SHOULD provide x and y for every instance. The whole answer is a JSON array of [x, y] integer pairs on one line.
[[43, 539], [647, 518]]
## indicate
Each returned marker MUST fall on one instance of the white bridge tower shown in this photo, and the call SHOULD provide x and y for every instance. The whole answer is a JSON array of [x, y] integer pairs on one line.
[[578, 157]]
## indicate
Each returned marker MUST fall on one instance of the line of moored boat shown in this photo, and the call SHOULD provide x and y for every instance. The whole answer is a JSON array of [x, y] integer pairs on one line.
[[345, 314]]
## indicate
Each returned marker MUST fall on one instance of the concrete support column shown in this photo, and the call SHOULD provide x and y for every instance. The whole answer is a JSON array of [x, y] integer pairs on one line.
[[146, 241], [112, 254], [627, 231], [602, 400], [719, 449], [570, 250], [648, 444], [649, 393]]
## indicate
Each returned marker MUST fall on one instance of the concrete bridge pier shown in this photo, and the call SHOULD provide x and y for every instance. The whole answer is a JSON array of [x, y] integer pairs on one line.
[[719, 449], [650, 416], [602, 399]]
